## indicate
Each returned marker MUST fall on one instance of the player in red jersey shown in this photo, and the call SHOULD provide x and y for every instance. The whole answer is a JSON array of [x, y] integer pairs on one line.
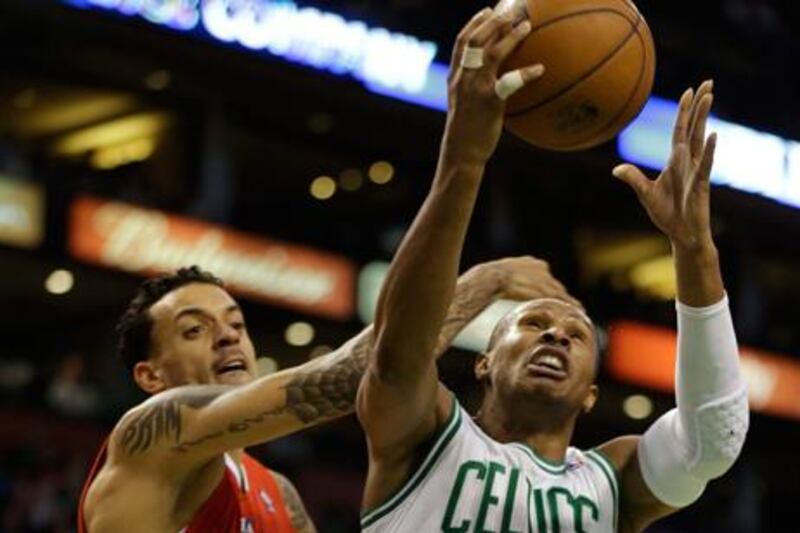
[[176, 462]]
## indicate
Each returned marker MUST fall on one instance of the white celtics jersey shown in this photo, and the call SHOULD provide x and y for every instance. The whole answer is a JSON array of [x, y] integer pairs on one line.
[[470, 483]]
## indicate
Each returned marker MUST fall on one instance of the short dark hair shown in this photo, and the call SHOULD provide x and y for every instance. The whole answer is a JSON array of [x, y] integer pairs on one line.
[[136, 324]]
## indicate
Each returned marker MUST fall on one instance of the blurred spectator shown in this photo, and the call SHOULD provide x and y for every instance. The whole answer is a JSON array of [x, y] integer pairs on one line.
[[70, 392]]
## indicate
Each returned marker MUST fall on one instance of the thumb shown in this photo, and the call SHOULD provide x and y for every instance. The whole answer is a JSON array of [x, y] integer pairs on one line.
[[634, 177]]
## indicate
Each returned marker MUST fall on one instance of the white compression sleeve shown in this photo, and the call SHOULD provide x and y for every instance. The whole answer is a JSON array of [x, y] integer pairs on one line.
[[700, 440]]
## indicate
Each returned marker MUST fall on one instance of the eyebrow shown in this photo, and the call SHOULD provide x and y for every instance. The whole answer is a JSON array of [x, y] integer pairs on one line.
[[198, 311], [582, 317]]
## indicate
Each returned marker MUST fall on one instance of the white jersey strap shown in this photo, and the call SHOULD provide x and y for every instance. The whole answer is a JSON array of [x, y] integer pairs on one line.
[[441, 441], [238, 472], [551, 467], [611, 475]]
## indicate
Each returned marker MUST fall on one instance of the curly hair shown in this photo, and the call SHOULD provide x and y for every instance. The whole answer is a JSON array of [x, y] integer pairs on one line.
[[135, 325]]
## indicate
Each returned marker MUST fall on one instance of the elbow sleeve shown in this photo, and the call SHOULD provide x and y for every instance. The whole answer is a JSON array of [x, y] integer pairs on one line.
[[701, 439]]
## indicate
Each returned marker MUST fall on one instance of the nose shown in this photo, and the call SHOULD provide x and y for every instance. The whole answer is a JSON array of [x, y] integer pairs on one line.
[[555, 335], [228, 336]]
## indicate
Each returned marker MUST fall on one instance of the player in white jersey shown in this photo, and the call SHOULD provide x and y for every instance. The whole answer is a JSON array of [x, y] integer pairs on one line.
[[511, 468]]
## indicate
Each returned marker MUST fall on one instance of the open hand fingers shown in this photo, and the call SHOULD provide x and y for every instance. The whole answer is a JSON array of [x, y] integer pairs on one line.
[[698, 128], [507, 44], [703, 175], [700, 110], [707, 87], [634, 177], [680, 132], [464, 35], [558, 291], [490, 30], [513, 81]]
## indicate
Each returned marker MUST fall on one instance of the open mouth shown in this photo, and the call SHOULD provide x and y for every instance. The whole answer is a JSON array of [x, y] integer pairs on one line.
[[544, 371], [231, 367], [549, 363]]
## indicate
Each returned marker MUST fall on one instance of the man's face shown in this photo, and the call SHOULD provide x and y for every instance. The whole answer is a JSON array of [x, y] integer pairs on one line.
[[547, 350], [199, 337]]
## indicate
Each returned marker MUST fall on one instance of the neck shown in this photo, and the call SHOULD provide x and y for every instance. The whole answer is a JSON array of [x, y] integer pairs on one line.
[[236, 454], [548, 431]]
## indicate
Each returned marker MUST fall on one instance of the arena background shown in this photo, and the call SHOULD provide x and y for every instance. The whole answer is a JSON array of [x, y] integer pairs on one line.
[[137, 135]]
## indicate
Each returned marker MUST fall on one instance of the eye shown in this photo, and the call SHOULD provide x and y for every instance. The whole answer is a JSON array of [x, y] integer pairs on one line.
[[238, 326], [193, 332], [534, 322], [578, 336]]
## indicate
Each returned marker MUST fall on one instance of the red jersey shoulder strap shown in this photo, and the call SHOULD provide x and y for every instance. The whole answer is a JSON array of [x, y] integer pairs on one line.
[[99, 461], [262, 479]]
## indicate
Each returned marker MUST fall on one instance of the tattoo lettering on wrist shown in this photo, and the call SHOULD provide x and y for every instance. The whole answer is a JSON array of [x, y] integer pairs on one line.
[[163, 419]]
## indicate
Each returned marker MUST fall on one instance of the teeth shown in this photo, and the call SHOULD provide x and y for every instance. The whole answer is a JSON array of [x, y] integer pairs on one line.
[[551, 360]]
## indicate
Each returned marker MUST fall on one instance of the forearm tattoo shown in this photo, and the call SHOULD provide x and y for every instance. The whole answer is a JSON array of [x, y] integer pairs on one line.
[[330, 390], [325, 390], [163, 420]]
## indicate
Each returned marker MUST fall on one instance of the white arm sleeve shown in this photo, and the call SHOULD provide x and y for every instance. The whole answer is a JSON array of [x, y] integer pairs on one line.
[[701, 439]]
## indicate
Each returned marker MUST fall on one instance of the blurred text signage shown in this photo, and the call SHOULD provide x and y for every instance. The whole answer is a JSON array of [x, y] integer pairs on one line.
[[21, 213], [390, 63], [645, 355], [147, 242], [402, 66]]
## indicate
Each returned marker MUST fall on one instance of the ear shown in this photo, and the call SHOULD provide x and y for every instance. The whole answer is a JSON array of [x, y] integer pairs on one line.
[[590, 399], [482, 367], [149, 377]]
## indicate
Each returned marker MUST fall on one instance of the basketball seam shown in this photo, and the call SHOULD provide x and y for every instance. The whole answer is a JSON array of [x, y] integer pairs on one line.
[[588, 73], [630, 97], [583, 12], [630, 7]]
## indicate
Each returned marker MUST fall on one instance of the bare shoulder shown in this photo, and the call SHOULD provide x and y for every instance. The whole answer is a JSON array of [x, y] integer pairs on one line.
[[638, 506], [125, 493], [620, 451], [298, 515]]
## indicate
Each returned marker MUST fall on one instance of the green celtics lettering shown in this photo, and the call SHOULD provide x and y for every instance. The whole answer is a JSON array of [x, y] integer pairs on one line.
[[543, 507]]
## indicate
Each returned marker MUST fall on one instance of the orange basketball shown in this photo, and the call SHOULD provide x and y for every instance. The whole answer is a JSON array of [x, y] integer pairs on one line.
[[599, 63]]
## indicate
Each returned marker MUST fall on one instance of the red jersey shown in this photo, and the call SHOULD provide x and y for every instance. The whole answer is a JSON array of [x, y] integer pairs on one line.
[[247, 500]]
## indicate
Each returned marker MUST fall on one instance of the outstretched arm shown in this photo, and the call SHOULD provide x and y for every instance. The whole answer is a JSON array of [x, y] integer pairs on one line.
[[190, 424], [401, 403], [669, 466]]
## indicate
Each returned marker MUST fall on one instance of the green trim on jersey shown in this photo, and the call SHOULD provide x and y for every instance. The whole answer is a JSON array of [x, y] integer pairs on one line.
[[551, 467], [610, 471], [444, 438]]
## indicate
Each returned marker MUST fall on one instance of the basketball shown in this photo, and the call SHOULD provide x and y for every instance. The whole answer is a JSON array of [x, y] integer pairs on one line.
[[599, 60]]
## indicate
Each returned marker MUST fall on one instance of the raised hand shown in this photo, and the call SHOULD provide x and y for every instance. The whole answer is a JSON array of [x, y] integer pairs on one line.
[[678, 200], [521, 279], [476, 96]]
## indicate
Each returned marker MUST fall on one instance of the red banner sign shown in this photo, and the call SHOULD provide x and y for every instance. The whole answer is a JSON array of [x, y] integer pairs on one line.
[[147, 242], [645, 355]]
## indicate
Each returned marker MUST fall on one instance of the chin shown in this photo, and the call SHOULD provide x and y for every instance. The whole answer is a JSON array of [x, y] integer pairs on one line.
[[541, 391]]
